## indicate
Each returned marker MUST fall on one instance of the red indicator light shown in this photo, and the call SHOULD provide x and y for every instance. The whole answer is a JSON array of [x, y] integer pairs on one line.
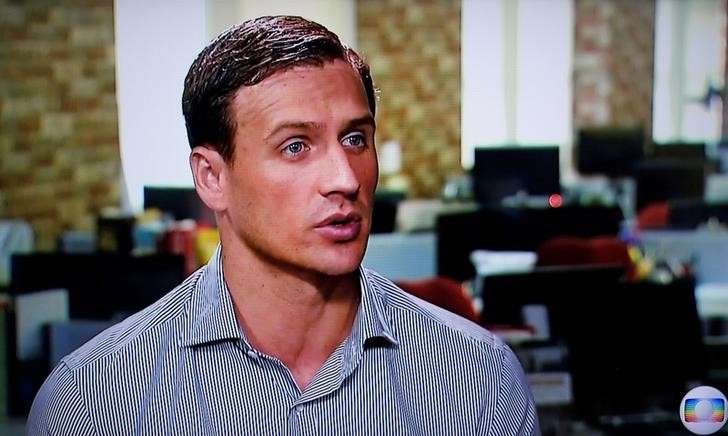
[[555, 200]]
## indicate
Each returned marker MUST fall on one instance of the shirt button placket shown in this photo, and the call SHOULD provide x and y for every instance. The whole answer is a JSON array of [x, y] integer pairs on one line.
[[253, 355], [294, 420], [307, 424]]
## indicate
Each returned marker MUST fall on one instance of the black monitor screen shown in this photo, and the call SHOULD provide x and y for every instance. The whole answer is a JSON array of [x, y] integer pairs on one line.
[[660, 180], [637, 349], [559, 288], [181, 203], [100, 285], [500, 172], [514, 229], [611, 151], [680, 150], [633, 346]]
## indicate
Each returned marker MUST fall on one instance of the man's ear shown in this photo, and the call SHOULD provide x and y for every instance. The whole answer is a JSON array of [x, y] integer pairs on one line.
[[208, 171]]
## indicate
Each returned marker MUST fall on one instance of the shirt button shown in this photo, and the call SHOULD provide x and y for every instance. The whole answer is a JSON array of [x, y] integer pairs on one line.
[[252, 354]]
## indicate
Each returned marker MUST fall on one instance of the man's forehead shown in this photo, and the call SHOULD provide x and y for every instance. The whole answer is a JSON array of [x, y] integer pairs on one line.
[[302, 71], [293, 90]]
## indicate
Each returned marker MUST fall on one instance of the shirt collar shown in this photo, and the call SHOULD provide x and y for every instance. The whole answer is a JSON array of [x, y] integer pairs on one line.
[[372, 320], [211, 314]]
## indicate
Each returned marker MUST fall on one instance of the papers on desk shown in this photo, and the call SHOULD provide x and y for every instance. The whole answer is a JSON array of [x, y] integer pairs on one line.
[[513, 335], [498, 262], [712, 300], [550, 388]]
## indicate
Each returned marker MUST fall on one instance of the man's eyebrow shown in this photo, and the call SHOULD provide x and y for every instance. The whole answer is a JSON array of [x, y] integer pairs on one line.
[[293, 125], [366, 120], [356, 122]]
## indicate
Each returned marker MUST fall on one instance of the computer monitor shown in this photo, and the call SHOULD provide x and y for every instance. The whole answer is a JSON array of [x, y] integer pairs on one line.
[[636, 350], [500, 172], [632, 347], [100, 285], [691, 214], [612, 151], [514, 229], [679, 150], [181, 203], [559, 288], [660, 180], [384, 213]]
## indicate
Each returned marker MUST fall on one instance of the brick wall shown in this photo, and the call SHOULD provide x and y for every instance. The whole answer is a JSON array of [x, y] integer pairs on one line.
[[59, 150], [413, 47], [613, 62]]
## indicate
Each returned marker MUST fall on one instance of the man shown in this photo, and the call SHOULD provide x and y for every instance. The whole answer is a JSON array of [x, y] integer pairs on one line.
[[283, 332]]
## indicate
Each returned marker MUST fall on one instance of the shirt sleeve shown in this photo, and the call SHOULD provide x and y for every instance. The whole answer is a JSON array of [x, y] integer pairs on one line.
[[515, 412], [58, 408]]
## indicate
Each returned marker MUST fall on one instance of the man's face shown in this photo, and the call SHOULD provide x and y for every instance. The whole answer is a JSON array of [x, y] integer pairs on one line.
[[302, 179]]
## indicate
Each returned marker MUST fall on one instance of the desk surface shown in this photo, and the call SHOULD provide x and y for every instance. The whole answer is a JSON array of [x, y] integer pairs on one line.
[[708, 248]]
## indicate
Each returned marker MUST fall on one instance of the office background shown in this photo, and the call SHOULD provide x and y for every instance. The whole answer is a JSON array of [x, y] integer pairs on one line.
[[63, 90], [90, 109]]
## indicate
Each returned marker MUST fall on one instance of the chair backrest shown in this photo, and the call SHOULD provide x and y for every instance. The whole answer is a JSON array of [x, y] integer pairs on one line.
[[442, 292], [569, 250]]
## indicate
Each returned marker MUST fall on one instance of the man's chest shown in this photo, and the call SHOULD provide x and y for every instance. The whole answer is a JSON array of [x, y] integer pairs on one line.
[[226, 391]]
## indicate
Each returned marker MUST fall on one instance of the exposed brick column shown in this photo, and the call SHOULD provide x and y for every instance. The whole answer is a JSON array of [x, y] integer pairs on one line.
[[613, 62], [413, 47], [59, 149]]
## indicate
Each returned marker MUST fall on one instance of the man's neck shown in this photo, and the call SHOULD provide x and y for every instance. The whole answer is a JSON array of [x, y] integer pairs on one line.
[[299, 318]]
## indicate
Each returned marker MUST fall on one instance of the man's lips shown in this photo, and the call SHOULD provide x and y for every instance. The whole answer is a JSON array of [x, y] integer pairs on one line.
[[340, 227]]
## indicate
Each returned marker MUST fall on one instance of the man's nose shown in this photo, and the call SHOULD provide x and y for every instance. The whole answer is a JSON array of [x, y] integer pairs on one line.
[[339, 176]]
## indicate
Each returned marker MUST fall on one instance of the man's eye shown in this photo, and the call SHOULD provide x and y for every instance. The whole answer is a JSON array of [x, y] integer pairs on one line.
[[294, 149], [356, 140]]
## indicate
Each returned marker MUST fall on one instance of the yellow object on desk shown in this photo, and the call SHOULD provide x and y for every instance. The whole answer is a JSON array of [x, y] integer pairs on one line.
[[206, 241]]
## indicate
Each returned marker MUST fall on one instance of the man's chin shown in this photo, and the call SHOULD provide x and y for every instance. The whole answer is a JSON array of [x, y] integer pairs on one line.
[[339, 263], [339, 267]]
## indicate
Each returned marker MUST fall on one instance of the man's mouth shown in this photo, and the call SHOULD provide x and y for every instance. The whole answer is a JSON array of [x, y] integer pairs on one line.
[[340, 227]]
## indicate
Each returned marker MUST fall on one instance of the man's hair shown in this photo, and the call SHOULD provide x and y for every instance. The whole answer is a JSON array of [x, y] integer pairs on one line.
[[247, 54]]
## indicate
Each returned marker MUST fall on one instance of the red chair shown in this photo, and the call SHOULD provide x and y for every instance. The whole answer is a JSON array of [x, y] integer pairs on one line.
[[442, 292], [654, 216], [567, 250]]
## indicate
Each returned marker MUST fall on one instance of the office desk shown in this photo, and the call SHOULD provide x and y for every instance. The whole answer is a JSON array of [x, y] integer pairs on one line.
[[402, 256], [709, 248]]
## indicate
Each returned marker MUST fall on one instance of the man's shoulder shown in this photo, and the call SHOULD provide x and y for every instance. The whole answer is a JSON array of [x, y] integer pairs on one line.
[[142, 329], [460, 361], [414, 318]]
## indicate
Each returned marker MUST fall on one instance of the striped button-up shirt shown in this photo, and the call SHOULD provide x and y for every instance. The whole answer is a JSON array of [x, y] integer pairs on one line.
[[184, 366]]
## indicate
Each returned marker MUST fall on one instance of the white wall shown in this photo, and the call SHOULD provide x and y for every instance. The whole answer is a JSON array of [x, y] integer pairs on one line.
[[156, 41], [483, 101], [544, 71], [339, 16], [516, 73], [689, 54]]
